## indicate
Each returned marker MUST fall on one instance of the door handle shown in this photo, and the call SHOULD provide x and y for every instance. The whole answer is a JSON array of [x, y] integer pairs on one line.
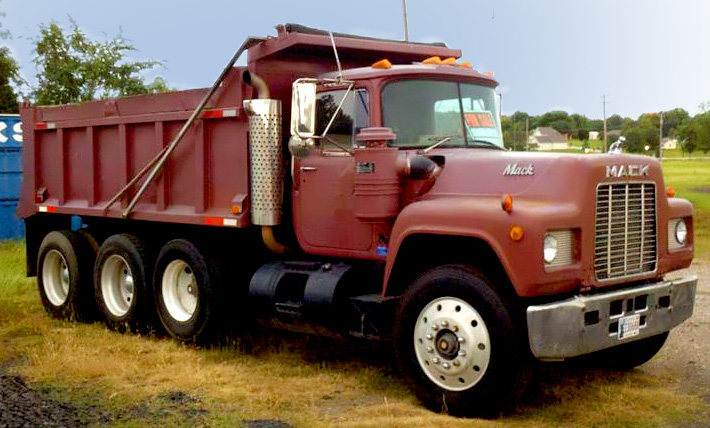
[[308, 168]]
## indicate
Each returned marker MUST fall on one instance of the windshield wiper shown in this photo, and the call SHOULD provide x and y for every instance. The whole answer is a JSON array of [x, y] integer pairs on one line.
[[486, 144], [444, 138]]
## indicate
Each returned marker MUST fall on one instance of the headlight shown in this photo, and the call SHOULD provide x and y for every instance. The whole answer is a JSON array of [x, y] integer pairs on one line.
[[549, 252], [681, 232]]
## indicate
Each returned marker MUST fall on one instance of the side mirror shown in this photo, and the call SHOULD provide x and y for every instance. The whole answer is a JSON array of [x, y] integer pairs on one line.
[[303, 110]]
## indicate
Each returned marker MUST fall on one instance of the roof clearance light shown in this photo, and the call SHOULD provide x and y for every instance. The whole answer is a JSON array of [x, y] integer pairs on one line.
[[432, 60], [488, 73], [449, 61], [670, 192], [384, 64], [465, 64]]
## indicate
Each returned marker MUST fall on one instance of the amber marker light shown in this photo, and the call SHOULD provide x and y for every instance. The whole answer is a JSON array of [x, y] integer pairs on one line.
[[670, 192], [384, 64], [488, 73], [432, 60], [449, 61], [465, 64], [507, 203], [516, 233]]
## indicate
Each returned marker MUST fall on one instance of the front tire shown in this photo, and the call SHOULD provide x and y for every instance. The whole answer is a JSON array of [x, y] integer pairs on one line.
[[64, 264], [627, 356], [183, 291], [456, 343]]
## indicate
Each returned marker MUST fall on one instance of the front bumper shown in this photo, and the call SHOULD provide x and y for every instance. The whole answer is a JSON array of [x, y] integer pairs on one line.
[[584, 324]]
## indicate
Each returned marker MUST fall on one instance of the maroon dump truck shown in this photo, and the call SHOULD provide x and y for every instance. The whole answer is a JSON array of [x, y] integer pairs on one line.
[[383, 205]]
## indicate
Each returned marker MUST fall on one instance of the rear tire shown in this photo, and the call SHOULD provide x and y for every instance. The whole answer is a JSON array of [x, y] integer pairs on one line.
[[183, 290], [64, 264], [456, 343], [121, 283]]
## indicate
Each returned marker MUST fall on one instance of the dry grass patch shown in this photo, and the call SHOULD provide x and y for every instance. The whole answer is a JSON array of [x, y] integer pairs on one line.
[[303, 381]]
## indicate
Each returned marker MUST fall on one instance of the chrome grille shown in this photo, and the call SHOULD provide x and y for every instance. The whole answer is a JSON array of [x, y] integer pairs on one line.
[[625, 239]]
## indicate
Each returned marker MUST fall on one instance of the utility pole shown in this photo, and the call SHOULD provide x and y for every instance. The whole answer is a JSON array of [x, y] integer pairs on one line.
[[604, 109], [660, 139], [406, 30], [527, 135]]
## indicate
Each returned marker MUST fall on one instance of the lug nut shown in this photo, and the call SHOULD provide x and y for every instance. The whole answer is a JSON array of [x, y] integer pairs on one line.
[[455, 328], [444, 324], [435, 360], [456, 363], [434, 327], [461, 339], [446, 365], [462, 353], [430, 350], [429, 337]]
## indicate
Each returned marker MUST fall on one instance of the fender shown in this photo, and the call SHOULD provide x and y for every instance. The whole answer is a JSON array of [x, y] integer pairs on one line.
[[482, 217]]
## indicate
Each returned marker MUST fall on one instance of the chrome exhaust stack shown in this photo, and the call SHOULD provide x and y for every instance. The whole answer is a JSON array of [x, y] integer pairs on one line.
[[265, 155]]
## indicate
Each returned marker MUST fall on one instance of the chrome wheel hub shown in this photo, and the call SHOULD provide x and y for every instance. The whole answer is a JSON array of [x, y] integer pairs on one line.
[[179, 289], [117, 285], [452, 344], [55, 278]]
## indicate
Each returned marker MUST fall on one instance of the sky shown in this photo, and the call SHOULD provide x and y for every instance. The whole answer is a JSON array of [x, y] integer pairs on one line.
[[642, 55]]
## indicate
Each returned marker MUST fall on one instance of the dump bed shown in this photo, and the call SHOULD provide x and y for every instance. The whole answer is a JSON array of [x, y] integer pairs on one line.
[[78, 157]]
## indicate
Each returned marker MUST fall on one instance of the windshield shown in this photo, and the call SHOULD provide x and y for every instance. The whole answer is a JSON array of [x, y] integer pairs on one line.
[[424, 112]]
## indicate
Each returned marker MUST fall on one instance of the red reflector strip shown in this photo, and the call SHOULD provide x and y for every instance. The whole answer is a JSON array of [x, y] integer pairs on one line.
[[217, 114], [47, 209], [214, 221], [40, 126]]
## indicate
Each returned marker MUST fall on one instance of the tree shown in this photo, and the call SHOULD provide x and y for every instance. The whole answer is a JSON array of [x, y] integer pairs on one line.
[[9, 73], [695, 133], [71, 68]]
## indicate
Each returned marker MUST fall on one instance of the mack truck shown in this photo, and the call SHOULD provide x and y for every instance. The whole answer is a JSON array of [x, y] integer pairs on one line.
[[354, 187]]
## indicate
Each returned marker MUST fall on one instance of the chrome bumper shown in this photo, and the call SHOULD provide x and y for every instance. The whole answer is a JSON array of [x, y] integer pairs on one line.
[[584, 324]]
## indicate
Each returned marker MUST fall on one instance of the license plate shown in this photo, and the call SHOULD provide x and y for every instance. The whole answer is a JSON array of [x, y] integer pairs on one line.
[[629, 326]]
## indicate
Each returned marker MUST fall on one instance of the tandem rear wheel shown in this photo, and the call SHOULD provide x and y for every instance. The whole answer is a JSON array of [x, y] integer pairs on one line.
[[64, 264], [456, 345], [183, 289]]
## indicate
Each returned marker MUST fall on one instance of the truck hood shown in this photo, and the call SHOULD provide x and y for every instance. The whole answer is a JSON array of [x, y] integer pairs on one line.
[[543, 176]]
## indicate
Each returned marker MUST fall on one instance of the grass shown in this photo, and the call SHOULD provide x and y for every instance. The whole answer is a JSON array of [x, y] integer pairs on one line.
[[303, 381], [691, 180]]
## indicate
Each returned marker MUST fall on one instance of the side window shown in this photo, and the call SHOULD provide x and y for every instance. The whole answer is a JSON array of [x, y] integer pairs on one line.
[[353, 116]]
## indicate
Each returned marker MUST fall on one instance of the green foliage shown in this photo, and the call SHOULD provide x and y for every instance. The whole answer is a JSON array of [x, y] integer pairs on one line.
[[72, 68], [695, 133], [9, 73]]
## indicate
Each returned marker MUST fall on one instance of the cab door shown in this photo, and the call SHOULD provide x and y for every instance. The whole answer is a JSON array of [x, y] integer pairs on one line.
[[323, 181]]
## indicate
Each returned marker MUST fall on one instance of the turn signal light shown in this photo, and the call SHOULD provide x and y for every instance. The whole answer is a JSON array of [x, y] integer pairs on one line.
[[516, 233], [465, 64], [432, 60], [507, 203], [670, 192], [384, 64], [449, 61]]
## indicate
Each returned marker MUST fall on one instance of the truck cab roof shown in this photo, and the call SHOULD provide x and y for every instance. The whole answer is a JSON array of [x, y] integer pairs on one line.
[[418, 70]]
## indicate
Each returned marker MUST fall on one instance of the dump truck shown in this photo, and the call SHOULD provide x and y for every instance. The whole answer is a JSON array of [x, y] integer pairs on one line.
[[354, 187]]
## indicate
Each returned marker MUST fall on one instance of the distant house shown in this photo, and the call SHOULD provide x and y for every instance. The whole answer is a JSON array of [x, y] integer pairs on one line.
[[546, 138], [670, 143], [593, 135]]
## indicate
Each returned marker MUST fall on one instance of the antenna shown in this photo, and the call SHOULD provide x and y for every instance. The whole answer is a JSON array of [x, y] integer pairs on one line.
[[337, 59], [406, 30]]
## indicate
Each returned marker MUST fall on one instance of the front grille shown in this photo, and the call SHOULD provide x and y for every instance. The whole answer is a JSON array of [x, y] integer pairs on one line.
[[625, 238]]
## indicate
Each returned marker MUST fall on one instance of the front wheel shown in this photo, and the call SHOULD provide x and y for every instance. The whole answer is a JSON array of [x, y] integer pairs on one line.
[[456, 343], [627, 356], [183, 291]]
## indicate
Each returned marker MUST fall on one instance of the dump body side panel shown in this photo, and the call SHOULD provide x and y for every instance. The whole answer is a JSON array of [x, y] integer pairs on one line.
[[79, 156]]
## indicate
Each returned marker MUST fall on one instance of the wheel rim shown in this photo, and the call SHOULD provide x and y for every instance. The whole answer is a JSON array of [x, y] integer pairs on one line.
[[452, 344], [180, 292], [55, 277], [117, 285]]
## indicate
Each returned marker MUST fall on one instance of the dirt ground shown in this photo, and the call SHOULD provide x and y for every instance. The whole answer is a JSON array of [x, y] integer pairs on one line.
[[686, 355]]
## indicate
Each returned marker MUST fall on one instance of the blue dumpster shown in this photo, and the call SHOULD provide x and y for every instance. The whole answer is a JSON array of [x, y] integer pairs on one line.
[[11, 227]]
